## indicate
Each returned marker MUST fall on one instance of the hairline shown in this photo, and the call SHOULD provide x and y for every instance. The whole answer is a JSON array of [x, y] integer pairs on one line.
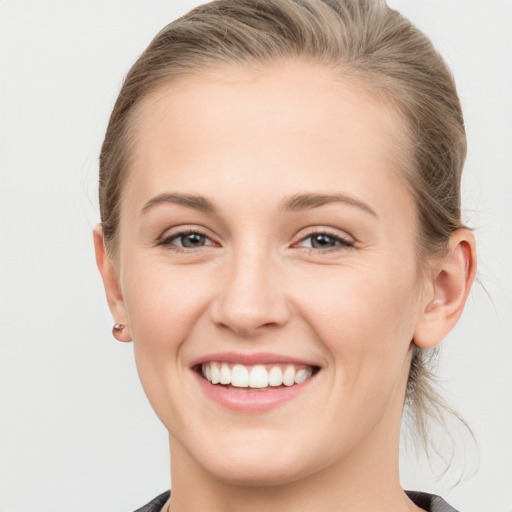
[[365, 81]]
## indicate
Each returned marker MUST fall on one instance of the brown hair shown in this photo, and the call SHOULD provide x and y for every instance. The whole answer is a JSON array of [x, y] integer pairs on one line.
[[362, 39]]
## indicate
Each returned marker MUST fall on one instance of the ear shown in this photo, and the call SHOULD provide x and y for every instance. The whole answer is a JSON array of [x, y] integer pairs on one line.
[[111, 283], [447, 291]]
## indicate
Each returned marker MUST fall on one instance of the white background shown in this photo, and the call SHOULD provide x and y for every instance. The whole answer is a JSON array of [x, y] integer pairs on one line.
[[76, 433]]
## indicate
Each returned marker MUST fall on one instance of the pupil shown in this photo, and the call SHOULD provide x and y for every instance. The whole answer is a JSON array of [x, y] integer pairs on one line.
[[192, 240], [322, 241]]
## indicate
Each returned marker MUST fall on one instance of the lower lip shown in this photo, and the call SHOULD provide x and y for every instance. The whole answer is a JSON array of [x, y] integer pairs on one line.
[[249, 400]]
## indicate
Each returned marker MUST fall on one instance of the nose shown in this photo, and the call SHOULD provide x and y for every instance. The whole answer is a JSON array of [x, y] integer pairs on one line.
[[252, 298]]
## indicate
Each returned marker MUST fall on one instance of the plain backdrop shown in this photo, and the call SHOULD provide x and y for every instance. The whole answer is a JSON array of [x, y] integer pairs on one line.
[[76, 433]]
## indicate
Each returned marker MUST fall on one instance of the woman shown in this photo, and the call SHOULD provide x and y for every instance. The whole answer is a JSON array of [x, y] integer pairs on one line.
[[281, 239]]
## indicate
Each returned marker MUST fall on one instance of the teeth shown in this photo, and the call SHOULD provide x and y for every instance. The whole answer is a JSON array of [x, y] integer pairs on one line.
[[300, 376], [215, 373], [289, 376], [275, 376], [258, 376], [239, 376], [225, 374]]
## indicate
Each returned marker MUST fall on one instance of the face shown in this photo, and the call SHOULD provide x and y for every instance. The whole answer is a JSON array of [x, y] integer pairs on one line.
[[265, 234]]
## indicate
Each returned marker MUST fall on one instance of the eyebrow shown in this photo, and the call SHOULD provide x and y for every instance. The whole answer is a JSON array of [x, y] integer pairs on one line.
[[300, 202], [297, 202], [190, 200]]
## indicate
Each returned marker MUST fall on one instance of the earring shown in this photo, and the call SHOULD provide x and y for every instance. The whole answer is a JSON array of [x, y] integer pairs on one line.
[[117, 332]]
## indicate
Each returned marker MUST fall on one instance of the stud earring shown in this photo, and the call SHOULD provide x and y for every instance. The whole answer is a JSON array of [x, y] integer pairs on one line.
[[117, 332]]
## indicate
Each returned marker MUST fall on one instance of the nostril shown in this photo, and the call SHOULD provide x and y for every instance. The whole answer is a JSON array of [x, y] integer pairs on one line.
[[245, 328], [250, 303]]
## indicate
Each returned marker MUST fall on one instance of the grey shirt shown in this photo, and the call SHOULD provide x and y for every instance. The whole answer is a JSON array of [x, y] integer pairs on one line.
[[429, 502]]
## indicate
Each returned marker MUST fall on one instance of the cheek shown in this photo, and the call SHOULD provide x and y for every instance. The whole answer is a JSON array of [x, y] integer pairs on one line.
[[365, 317], [164, 304], [162, 301], [366, 325]]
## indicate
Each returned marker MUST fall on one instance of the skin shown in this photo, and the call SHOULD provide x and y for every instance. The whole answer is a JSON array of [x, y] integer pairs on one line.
[[247, 140]]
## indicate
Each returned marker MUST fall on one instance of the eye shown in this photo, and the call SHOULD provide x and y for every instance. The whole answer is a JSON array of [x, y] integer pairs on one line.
[[324, 241], [189, 239]]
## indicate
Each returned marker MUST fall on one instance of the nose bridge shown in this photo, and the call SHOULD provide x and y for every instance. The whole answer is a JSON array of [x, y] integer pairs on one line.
[[250, 295]]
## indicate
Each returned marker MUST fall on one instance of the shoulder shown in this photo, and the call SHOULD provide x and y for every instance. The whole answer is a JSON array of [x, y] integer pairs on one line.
[[429, 502], [156, 504]]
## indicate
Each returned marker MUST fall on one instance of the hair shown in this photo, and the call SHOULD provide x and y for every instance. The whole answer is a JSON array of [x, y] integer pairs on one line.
[[362, 40]]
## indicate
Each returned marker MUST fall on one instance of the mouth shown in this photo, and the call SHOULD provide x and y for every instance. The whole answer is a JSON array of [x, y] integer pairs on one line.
[[254, 383], [255, 377]]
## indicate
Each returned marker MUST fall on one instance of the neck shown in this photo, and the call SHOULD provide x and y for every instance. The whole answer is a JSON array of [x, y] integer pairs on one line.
[[365, 480]]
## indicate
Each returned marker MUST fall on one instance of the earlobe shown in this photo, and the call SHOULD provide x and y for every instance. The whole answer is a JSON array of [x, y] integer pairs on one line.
[[112, 289], [451, 282], [121, 332]]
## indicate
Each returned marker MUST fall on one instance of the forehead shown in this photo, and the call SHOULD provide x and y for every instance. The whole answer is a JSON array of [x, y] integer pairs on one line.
[[282, 121]]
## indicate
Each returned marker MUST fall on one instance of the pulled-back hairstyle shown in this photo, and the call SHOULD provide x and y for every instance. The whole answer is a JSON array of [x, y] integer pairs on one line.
[[360, 40]]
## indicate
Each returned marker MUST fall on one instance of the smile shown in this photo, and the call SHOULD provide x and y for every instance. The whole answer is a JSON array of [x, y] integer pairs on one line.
[[255, 376], [254, 383]]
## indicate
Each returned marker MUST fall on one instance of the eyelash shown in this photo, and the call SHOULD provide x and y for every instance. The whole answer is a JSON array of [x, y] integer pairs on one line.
[[166, 242], [343, 243]]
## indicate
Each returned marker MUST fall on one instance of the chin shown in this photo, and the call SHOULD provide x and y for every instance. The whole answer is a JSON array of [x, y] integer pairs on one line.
[[253, 466], [252, 474]]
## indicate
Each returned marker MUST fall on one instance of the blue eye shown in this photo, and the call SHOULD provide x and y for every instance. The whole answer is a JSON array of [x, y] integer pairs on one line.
[[186, 240], [192, 240], [324, 241]]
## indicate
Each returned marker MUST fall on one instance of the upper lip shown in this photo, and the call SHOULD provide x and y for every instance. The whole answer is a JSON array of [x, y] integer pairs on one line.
[[250, 359]]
